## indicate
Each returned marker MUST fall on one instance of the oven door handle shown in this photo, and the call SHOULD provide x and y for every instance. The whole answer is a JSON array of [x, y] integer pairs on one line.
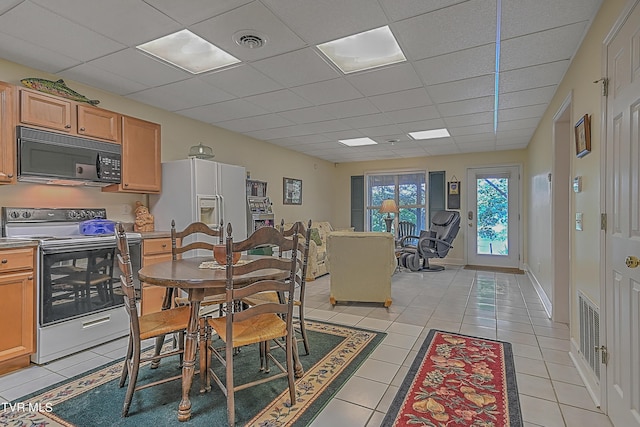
[[72, 247]]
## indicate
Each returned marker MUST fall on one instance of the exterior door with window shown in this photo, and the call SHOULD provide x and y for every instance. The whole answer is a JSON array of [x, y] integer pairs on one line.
[[622, 236], [493, 217]]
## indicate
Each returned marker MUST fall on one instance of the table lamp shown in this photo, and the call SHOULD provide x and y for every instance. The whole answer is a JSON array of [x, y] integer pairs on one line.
[[387, 207]]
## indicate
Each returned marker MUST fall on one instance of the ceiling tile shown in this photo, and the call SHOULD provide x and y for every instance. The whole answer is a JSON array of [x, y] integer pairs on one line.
[[367, 121], [36, 25], [401, 100], [297, 68], [461, 26], [8, 4], [454, 66], [318, 21], [30, 55], [181, 95], [469, 120], [126, 21], [329, 91], [256, 19], [280, 100], [189, 12], [267, 121], [355, 107], [519, 124], [540, 48], [468, 106], [97, 77], [422, 125], [241, 80], [307, 115], [471, 130], [403, 9], [384, 133], [522, 17], [413, 114], [541, 95], [393, 78], [475, 87], [517, 113], [532, 77], [138, 67], [222, 111]]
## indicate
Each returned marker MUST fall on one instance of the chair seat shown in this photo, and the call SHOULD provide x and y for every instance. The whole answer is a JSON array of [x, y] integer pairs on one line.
[[163, 322], [256, 329]]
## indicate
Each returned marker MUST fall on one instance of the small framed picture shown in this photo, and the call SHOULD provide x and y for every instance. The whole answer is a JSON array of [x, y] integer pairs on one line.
[[291, 191], [583, 136]]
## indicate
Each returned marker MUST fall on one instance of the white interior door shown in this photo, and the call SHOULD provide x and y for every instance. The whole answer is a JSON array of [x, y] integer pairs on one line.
[[493, 217], [622, 237]]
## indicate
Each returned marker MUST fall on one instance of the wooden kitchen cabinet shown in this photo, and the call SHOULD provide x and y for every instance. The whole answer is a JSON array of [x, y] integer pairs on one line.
[[17, 308], [141, 165], [154, 250], [7, 134], [63, 115]]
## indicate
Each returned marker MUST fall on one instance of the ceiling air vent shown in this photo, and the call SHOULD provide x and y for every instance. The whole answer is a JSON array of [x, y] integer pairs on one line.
[[249, 39]]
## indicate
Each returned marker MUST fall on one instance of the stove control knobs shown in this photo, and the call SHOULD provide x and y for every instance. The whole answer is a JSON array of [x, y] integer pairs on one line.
[[26, 214], [14, 214]]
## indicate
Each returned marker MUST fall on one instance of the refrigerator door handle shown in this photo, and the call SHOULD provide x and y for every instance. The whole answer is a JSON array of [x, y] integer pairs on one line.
[[221, 217]]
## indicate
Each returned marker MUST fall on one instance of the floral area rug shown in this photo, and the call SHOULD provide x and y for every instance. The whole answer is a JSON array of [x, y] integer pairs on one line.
[[458, 380], [94, 399]]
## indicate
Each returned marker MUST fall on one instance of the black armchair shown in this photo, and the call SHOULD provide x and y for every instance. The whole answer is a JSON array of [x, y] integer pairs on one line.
[[432, 243]]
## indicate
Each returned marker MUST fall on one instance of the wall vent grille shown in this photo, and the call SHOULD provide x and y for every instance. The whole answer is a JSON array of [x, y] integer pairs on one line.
[[589, 332]]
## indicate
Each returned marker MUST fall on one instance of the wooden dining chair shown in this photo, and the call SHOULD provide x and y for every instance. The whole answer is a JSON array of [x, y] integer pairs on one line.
[[262, 324], [153, 325], [301, 279]]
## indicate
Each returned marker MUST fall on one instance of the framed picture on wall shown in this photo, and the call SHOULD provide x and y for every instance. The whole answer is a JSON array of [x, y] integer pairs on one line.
[[291, 191], [583, 136]]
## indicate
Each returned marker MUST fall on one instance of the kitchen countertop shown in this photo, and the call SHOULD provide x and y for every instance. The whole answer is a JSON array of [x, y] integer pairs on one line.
[[155, 234], [9, 243]]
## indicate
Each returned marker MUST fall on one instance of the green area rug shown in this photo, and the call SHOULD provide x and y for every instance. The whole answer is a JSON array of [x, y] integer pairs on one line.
[[94, 399]]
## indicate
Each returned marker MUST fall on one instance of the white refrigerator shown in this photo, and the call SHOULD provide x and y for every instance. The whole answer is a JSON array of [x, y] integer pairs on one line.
[[201, 190]]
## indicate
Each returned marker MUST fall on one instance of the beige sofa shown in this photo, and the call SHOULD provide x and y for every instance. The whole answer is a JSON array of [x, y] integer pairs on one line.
[[317, 248], [360, 265]]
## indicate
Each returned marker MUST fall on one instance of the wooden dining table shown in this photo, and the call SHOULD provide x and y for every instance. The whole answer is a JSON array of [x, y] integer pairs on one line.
[[198, 282]]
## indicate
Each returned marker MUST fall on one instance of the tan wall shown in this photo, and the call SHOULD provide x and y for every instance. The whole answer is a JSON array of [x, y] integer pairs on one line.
[[265, 162], [453, 165], [585, 99]]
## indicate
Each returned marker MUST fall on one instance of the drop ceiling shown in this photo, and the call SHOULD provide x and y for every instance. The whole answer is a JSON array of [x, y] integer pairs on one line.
[[286, 93]]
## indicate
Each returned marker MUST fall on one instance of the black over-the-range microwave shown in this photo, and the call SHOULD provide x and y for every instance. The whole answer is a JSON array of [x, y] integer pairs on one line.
[[48, 157]]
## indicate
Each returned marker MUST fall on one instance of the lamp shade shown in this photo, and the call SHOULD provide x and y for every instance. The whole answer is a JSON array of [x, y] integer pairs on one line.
[[388, 206]]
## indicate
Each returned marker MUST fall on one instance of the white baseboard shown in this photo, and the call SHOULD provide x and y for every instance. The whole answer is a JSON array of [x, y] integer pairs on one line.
[[544, 298], [584, 370]]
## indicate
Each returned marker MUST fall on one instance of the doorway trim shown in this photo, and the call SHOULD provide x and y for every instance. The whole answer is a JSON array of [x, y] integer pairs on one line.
[[561, 208]]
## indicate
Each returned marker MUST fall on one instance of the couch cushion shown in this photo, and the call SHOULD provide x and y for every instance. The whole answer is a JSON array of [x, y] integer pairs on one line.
[[315, 236]]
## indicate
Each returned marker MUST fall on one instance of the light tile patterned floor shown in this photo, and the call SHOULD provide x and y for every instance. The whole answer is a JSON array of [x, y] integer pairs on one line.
[[485, 304]]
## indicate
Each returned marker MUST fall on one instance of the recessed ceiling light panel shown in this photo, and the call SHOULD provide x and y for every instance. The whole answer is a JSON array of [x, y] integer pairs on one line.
[[430, 134], [356, 142], [363, 51], [189, 52]]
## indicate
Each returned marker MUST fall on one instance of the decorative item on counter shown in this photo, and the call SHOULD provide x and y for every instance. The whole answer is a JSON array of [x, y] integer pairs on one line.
[[144, 220], [201, 152], [58, 88]]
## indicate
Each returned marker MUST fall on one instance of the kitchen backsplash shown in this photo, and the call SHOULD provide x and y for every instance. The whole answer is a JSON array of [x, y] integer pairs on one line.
[[119, 206]]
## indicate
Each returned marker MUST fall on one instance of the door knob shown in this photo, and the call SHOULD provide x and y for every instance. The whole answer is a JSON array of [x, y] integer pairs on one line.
[[632, 261]]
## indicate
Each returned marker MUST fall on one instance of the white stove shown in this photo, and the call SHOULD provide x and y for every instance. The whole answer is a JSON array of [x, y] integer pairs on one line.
[[80, 304]]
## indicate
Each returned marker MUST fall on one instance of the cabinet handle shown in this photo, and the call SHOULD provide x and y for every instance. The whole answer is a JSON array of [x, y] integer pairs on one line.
[[67, 127], [4, 260], [164, 245], [126, 185], [10, 175], [82, 129], [30, 278]]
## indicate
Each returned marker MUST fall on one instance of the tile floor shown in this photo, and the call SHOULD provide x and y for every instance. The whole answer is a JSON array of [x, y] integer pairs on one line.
[[491, 305]]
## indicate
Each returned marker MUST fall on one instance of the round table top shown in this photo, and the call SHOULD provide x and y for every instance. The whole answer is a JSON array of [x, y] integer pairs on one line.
[[186, 274]]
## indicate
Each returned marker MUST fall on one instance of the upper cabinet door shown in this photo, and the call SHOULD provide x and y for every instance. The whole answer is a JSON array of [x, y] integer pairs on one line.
[[98, 123], [141, 166], [7, 134], [46, 111]]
